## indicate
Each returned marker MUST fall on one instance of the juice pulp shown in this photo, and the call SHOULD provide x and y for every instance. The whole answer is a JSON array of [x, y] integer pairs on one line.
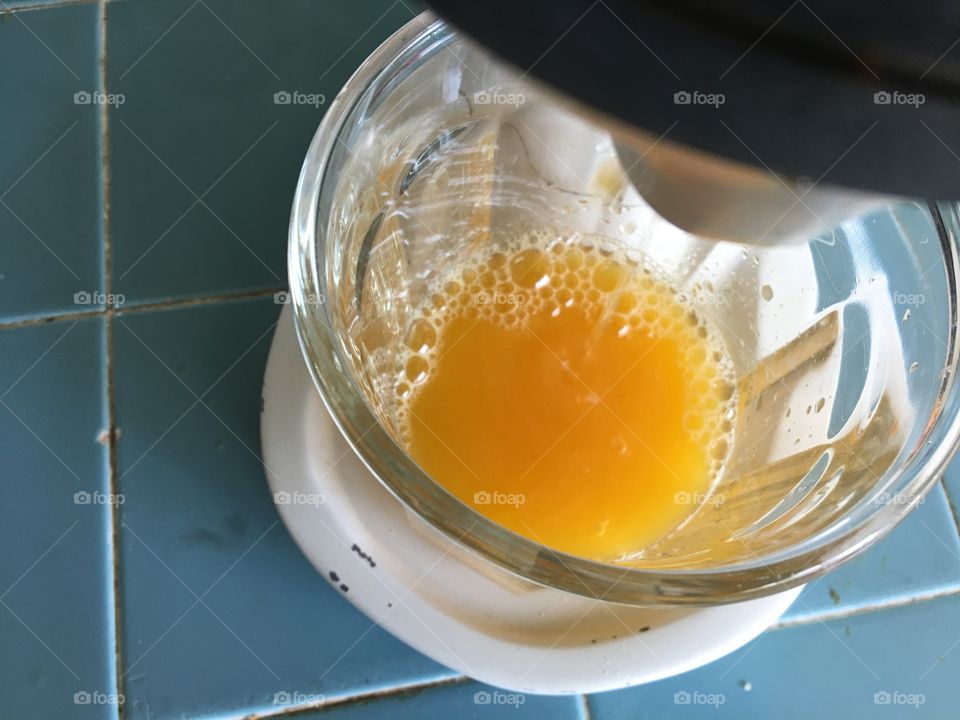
[[567, 394]]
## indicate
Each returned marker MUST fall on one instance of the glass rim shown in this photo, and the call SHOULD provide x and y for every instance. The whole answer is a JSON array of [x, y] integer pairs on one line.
[[343, 398]]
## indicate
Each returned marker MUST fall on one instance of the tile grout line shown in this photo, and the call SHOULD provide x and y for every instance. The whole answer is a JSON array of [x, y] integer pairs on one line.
[[196, 300], [106, 223], [40, 5], [844, 614], [45, 319], [400, 691], [160, 305], [107, 258]]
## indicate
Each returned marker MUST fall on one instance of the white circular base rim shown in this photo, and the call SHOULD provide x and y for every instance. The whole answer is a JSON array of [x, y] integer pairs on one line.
[[440, 600]]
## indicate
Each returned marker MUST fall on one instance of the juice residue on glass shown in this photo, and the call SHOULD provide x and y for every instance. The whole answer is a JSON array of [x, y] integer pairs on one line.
[[568, 394]]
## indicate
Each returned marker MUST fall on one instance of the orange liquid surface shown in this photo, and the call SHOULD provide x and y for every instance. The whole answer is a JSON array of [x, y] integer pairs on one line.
[[569, 396]]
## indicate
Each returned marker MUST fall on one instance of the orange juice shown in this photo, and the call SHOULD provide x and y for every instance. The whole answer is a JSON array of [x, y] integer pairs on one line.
[[569, 395]]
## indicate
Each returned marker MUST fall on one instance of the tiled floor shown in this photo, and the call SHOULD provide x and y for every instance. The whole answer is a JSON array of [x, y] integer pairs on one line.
[[836, 669], [204, 164], [50, 169], [457, 700], [56, 578], [143, 552], [921, 558], [210, 577]]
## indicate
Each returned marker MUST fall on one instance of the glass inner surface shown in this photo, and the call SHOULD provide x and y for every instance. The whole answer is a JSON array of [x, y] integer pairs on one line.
[[834, 347]]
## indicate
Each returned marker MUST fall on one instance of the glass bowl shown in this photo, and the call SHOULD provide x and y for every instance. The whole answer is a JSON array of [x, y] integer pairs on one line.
[[844, 345]]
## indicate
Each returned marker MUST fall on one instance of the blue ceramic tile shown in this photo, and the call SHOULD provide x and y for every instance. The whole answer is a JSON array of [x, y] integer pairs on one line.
[[466, 701], [49, 174], [56, 577], [919, 557], [204, 162], [220, 609], [896, 663]]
